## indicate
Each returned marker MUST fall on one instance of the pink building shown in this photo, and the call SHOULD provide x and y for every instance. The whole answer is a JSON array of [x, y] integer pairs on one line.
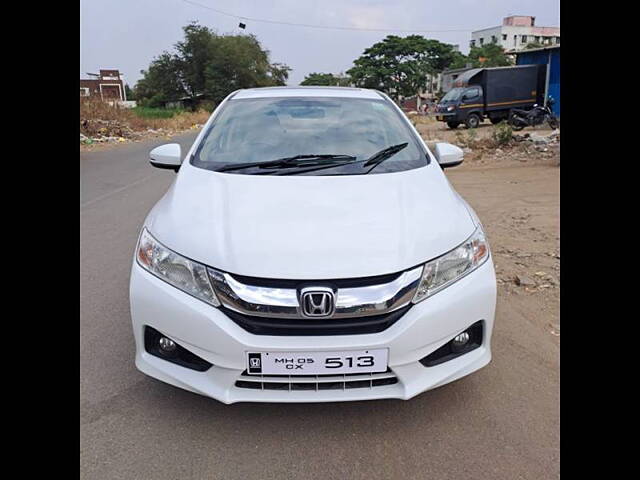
[[515, 33]]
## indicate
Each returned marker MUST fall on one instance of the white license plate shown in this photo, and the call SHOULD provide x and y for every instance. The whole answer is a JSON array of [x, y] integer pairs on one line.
[[317, 363]]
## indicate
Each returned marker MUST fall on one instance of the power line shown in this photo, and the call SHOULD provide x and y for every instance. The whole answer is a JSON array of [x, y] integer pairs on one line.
[[325, 27]]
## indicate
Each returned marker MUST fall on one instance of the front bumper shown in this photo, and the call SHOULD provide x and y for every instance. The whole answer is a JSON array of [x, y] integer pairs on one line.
[[211, 335]]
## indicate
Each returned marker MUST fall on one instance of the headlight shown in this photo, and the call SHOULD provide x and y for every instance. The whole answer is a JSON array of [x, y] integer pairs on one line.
[[187, 275], [450, 267], [451, 109]]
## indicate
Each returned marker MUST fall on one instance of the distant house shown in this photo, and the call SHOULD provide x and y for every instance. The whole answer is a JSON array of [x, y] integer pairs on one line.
[[107, 85], [549, 56], [515, 33]]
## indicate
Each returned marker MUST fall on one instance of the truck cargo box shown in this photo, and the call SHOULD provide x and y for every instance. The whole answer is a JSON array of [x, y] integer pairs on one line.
[[507, 87]]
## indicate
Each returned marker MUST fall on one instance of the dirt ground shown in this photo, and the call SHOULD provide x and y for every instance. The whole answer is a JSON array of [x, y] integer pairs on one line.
[[515, 191]]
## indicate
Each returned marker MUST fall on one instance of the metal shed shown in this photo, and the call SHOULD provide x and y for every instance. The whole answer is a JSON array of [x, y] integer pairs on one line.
[[551, 57]]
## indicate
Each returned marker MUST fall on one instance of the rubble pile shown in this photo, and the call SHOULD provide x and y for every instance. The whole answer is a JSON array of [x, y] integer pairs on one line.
[[113, 131], [100, 131], [540, 143]]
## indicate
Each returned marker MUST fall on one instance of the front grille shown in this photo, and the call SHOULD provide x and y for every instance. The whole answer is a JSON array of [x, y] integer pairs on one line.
[[316, 382], [309, 326]]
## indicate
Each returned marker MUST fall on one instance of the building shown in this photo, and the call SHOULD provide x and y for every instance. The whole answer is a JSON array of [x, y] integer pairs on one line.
[[515, 33], [549, 56], [107, 85]]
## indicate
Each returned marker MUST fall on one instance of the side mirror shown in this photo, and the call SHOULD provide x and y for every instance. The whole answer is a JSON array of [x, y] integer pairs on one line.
[[166, 156], [448, 155]]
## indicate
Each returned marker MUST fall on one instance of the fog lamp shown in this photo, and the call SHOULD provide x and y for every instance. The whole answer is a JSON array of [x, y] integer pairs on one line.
[[167, 345], [459, 341]]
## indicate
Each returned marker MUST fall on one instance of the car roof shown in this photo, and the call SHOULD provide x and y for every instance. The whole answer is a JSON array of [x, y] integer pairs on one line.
[[307, 92]]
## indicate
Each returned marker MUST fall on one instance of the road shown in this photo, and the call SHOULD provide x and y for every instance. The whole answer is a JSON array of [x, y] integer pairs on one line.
[[499, 423]]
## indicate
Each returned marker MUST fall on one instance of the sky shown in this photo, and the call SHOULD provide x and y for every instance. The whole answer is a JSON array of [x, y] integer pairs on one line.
[[127, 34]]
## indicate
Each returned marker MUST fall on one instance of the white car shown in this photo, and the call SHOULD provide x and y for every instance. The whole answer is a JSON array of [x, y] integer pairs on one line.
[[311, 249]]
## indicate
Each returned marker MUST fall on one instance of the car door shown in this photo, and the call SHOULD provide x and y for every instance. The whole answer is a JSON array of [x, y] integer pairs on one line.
[[471, 98]]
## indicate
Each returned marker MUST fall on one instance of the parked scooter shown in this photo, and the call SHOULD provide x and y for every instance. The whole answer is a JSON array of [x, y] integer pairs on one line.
[[518, 119]]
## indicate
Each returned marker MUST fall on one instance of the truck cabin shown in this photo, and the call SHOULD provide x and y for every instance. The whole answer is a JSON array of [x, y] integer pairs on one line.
[[469, 94]]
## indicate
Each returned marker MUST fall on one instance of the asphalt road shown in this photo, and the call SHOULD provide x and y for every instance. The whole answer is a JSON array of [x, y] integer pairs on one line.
[[499, 423]]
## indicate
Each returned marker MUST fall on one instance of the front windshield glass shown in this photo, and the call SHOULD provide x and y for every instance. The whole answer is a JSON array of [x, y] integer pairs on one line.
[[452, 95], [266, 129]]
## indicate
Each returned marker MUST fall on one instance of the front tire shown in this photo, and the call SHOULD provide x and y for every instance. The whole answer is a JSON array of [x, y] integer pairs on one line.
[[473, 120], [553, 122], [516, 126], [453, 125]]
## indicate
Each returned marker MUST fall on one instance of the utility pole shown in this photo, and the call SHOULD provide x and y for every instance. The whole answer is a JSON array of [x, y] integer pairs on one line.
[[546, 80]]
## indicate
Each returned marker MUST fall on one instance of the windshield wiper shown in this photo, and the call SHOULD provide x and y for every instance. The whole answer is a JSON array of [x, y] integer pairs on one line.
[[379, 157], [307, 160]]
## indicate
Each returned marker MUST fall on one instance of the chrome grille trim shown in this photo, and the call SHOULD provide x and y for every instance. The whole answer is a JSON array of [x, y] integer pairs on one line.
[[277, 302]]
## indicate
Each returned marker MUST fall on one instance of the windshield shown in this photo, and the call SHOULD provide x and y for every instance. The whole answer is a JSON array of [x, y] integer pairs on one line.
[[257, 130], [452, 95]]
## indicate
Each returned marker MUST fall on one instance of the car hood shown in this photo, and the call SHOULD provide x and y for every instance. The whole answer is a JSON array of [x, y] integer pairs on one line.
[[311, 227]]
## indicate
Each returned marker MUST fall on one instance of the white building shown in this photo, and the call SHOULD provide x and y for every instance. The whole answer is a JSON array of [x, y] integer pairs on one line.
[[515, 33]]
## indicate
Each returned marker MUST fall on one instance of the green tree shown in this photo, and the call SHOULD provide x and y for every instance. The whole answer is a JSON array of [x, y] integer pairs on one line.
[[459, 60], [239, 61], [128, 93], [400, 66], [326, 80], [161, 82], [208, 65], [194, 55], [279, 74], [489, 55]]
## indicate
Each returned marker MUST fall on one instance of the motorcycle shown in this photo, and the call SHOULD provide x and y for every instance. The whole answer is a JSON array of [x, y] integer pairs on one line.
[[518, 119]]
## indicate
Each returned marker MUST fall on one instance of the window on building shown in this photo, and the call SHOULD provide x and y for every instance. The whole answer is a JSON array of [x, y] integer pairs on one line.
[[494, 39], [524, 39], [504, 36], [482, 41], [537, 39], [84, 92], [557, 40]]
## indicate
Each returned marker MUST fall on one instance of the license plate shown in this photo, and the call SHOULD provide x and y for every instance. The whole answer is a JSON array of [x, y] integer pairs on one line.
[[317, 363]]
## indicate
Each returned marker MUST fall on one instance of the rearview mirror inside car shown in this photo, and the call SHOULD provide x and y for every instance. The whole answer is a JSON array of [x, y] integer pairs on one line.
[[166, 156], [448, 155]]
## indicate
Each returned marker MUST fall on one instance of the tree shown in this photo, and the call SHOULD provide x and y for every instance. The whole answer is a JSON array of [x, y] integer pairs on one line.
[[128, 93], [401, 66], [208, 65], [489, 55], [326, 80], [279, 73], [194, 55], [459, 60], [161, 82]]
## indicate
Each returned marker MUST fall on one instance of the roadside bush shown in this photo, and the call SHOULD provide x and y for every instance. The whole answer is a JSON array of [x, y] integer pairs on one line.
[[467, 137], [502, 133]]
